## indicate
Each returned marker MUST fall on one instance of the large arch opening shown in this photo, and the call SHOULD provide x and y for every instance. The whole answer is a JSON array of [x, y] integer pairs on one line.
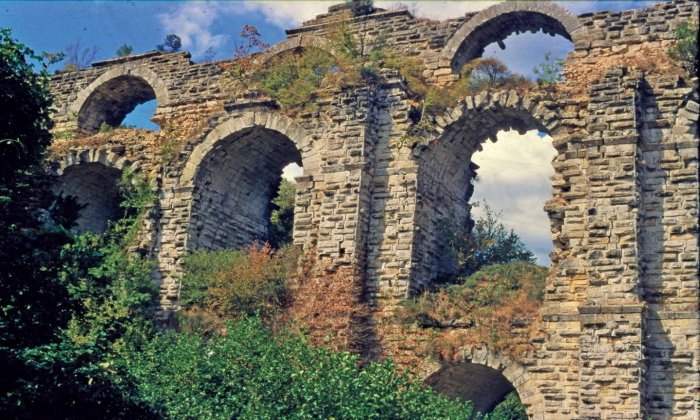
[[111, 102], [492, 26], [95, 187], [234, 188], [448, 178], [513, 180], [484, 386]]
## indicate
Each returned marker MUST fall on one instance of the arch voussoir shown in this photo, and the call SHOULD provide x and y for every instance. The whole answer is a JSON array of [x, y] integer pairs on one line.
[[297, 42], [509, 17]]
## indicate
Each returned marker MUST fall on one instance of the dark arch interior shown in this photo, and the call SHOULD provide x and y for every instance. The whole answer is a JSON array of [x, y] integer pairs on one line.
[[96, 189], [499, 28], [112, 101], [485, 387], [234, 186]]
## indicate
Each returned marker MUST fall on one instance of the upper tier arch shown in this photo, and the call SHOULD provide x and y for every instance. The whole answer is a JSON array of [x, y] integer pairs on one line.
[[291, 44], [497, 22], [114, 94]]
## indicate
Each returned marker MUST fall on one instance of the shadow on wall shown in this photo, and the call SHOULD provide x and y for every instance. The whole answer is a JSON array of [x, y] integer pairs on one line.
[[658, 348]]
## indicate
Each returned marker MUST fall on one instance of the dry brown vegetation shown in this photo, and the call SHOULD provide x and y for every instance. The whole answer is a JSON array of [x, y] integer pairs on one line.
[[497, 307]]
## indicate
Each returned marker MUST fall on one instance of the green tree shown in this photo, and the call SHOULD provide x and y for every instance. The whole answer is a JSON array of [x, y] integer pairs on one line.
[[483, 73], [686, 48], [550, 71], [125, 49], [171, 44], [282, 217], [484, 242], [30, 294]]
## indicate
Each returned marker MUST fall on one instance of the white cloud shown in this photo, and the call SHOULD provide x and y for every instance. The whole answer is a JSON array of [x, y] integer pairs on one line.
[[290, 14], [192, 22], [514, 178], [286, 14], [439, 10]]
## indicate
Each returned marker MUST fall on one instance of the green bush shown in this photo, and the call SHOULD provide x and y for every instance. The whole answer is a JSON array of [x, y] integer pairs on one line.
[[509, 409], [484, 242], [292, 79], [282, 217], [248, 373], [227, 284], [550, 70], [686, 48]]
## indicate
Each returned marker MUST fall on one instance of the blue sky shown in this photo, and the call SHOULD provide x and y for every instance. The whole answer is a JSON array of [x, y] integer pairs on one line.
[[517, 188]]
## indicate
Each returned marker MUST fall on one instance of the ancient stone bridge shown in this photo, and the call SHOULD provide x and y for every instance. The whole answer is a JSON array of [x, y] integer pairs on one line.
[[620, 317]]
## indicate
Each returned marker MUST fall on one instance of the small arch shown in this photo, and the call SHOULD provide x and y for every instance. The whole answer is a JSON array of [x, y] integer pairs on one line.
[[234, 174], [92, 177], [485, 378], [295, 43], [110, 97], [497, 22]]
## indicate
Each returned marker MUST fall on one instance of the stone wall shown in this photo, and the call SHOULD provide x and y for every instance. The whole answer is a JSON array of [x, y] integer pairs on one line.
[[619, 329]]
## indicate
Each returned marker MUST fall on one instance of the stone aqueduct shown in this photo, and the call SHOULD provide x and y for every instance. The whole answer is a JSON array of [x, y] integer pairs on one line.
[[620, 314]]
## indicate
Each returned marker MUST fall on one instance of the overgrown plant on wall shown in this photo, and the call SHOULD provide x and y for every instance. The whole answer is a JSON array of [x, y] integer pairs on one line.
[[219, 286], [686, 48], [550, 71], [478, 75]]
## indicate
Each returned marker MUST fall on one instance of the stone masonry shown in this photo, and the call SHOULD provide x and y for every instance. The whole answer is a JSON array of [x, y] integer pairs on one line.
[[620, 317]]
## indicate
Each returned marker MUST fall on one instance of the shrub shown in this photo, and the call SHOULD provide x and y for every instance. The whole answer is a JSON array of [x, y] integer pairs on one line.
[[282, 217], [227, 284], [686, 48], [78, 56], [484, 242], [248, 373], [550, 71], [124, 50], [490, 305], [511, 408], [292, 79]]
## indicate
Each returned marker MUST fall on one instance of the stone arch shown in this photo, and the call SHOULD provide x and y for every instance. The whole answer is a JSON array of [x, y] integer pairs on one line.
[[92, 177], [485, 378], [114, 94], [235, 172], [445, 167], [497, 22], [297, 42]]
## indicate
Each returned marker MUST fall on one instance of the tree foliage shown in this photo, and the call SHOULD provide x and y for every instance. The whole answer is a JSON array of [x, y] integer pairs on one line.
[[550, 71], [106, 300], [282, 217], [124, 50], [249, 373], [686, 48], [486, 241], [25, 103], [172, 43]]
